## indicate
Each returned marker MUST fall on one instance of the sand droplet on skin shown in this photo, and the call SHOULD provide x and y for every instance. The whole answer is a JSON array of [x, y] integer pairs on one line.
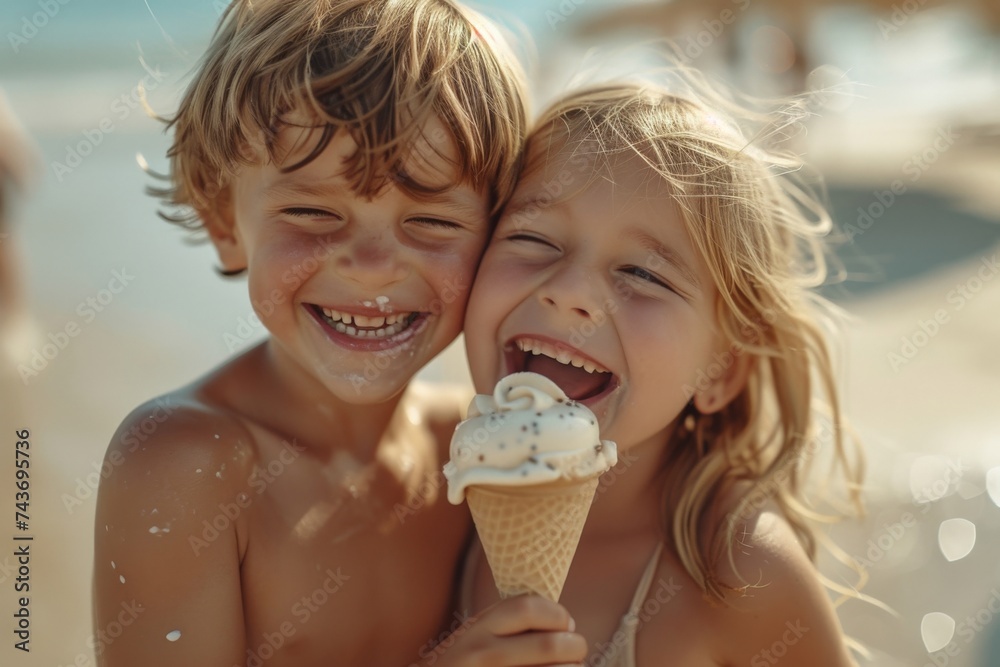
[[113, 566], [121, 578], [219, 475], [154, 530], [173, 635], [216, 436], [198, 470]]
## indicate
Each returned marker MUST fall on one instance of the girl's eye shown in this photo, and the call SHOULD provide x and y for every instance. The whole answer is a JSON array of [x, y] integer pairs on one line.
[[530, 239], [308, 213], [644, 275]]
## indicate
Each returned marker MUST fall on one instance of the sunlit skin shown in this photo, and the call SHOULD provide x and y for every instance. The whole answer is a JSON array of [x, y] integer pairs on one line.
[[607, 269], [305, 234], [300, 481]]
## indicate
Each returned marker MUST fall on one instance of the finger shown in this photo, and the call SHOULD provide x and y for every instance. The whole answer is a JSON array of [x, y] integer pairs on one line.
[[525, 613], [540, 648]]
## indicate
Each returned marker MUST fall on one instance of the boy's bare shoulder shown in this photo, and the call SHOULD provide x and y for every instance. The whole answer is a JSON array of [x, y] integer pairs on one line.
[[176, 467], [177, 444]]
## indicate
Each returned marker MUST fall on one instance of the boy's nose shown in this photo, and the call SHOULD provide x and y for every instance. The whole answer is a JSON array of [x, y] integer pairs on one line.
[[372, 261], [571, 290]]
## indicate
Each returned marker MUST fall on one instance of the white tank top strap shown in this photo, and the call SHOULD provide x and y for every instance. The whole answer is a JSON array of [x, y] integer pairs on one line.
[[622, 654]]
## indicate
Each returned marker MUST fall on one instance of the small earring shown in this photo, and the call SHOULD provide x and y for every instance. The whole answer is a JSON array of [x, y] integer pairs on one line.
[[689, 422]]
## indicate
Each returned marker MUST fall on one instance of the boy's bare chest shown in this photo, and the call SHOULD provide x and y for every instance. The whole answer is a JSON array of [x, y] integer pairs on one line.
[[350, 563]]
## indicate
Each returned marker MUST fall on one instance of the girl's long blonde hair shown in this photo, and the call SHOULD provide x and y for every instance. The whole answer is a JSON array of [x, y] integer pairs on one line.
[[761, 233]]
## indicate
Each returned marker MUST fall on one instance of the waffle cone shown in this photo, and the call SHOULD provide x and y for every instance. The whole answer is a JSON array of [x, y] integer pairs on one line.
[[530, 533]]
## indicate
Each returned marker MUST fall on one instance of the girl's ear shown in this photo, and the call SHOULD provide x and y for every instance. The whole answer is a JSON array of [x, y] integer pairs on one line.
[[220, 223], [735, 373]]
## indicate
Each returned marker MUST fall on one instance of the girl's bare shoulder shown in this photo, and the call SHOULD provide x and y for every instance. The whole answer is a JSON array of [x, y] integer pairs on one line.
[[778, 606]]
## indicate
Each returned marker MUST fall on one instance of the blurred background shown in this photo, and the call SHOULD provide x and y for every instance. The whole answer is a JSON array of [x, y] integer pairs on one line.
[[103, 305]]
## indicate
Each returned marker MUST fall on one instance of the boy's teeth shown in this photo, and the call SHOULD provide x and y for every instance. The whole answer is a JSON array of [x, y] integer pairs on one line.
[[366, 327], [562, 356]]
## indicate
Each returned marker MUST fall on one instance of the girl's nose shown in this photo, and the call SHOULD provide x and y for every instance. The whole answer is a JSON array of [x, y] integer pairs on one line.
[[572, 290]]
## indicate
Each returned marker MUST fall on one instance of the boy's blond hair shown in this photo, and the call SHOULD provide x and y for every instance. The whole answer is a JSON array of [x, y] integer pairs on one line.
[[379, 69], [761, 235]]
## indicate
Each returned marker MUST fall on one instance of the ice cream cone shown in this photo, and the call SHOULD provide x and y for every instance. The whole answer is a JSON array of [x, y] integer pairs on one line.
[[530, 533]]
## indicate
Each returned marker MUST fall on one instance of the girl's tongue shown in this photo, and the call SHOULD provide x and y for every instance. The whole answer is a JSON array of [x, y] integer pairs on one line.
[[577, 383]]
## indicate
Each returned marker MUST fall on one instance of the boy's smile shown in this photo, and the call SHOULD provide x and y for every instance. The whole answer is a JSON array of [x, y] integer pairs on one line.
[[358, 290], [598, 288]]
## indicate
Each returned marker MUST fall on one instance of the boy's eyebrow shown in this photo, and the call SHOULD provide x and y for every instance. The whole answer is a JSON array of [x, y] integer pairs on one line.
[[454, 198], [667, 254], [302, 188]]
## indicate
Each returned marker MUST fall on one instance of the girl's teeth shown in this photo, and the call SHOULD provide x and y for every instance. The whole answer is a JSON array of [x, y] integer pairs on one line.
[[562, 356]]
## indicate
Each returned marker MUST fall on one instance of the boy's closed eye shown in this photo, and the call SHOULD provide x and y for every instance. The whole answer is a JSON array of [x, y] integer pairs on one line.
[[303, 212], [437, 223]]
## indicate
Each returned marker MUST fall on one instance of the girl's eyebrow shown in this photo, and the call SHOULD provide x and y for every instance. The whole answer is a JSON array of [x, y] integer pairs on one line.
[[667, 254], [540, 201]]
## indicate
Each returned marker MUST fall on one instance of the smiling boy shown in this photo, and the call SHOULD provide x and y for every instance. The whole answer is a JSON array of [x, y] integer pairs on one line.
[[349, 157]]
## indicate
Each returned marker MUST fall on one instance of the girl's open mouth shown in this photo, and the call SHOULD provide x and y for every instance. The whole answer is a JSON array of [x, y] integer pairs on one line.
[[579, 376]]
